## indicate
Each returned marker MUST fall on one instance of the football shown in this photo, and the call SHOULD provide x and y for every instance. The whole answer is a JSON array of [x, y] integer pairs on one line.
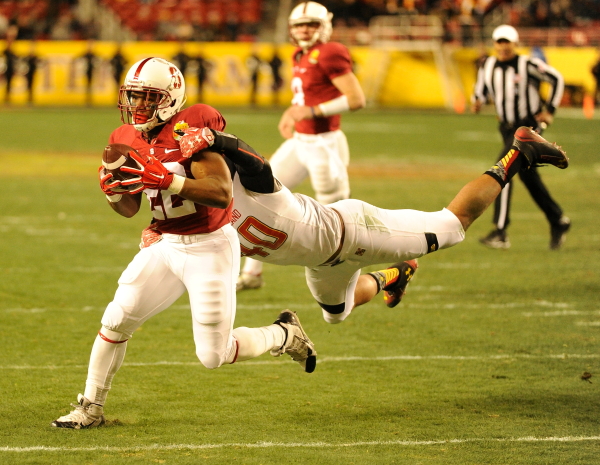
[[115, 156]]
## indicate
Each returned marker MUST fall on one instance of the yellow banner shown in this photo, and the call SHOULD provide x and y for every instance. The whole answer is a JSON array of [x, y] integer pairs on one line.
[[61, 76], [389, 77]]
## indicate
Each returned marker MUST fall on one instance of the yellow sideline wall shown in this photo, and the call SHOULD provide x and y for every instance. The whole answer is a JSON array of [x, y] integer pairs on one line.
[[390, 78]]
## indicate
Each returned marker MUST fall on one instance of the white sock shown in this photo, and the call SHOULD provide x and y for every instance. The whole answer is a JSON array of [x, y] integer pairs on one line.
[[253, 267], [105, 361], [253, 342]]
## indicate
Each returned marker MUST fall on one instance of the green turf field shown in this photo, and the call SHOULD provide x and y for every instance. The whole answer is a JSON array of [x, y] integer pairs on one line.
[[482, 363]]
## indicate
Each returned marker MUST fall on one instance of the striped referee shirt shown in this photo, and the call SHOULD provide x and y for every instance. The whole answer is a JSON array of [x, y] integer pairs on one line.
[[514, 87]]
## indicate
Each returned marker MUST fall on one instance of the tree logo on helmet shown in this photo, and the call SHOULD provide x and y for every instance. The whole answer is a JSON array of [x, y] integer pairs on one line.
[[176, 75]]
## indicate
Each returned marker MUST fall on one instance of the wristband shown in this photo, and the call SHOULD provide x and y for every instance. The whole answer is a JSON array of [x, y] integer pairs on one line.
[[335, 106], [177, 184], [114, 198]]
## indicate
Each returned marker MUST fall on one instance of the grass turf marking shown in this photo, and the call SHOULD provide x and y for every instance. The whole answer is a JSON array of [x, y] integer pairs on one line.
[[332, 360], [268, 445]]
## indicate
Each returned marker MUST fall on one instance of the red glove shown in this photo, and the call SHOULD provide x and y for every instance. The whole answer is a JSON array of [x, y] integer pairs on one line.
[[150, 236], [107, 182], [194, 140], [151, 173]]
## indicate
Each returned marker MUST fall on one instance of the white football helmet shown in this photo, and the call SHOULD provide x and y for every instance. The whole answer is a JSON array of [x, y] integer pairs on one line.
[[161, 86], [311, 12]]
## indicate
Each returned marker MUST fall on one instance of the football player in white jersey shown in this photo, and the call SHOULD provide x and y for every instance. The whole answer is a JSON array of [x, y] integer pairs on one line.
[[334, 241]]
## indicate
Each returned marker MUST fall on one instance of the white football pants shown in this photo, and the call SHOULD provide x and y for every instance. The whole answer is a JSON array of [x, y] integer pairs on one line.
[[206, 265], [375, 236]]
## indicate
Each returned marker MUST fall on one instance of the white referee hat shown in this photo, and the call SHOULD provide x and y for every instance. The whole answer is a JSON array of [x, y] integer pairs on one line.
[[505, 32]]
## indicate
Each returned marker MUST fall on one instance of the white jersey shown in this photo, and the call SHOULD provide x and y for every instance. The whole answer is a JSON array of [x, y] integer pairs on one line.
[[293, 229], [284, 228]]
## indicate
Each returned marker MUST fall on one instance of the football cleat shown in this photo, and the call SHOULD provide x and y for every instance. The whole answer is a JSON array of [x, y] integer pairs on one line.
[[497, 239], [395, 288], [558, 233], [248, 281], [85, 415], [537, 150], [297, 344]]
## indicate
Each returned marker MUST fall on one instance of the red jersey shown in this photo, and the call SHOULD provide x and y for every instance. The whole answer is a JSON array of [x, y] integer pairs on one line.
[[311, 82], [174, 214]]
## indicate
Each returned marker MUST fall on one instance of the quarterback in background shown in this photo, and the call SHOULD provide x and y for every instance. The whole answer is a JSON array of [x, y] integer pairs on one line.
[[324, 86], [198, 251]]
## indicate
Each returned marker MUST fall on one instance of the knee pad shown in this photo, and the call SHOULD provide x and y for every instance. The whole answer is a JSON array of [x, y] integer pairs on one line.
[[210, 360], [112, 336], [116, 319], [212, 348]]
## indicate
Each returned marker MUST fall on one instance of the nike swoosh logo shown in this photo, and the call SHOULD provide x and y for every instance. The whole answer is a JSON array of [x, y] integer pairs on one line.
[[170, 150]]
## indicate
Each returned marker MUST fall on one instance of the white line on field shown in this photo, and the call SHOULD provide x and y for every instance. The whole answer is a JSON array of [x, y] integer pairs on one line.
[[412, 304], [333, 359], [562, 313], [588, 323], [283, 445]]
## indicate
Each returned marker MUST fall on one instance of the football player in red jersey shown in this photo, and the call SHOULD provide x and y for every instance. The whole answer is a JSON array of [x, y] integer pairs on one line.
[[198, 251], [324, 86]]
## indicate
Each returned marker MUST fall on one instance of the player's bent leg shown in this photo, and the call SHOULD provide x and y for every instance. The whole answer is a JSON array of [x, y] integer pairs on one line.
[[253, 342], [209, 276], [333, 287], [212, 316]]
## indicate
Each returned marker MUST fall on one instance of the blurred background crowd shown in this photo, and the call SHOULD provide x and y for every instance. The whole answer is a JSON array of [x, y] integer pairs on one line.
[[191, 29], [250, 20]]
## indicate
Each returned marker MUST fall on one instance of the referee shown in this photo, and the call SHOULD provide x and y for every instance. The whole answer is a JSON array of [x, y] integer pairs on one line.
[[512, 82]]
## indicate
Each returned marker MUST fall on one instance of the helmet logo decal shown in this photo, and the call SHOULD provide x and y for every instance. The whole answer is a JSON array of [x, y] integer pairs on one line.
[[176, 77]]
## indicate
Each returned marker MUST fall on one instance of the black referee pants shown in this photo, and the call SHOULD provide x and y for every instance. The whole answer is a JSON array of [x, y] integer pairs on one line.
[[532, 181]]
